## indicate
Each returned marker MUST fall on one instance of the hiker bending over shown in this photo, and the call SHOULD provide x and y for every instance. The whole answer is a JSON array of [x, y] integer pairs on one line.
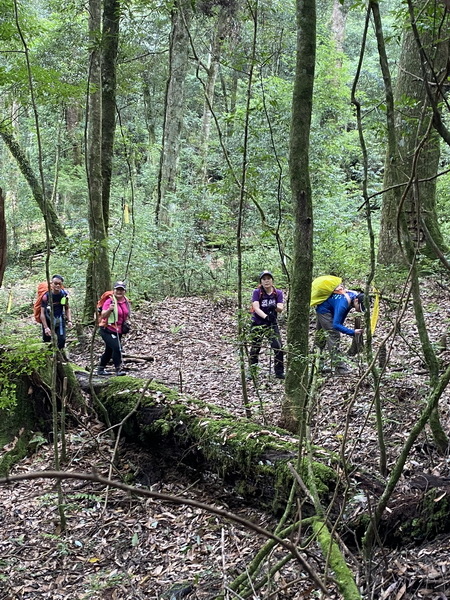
[[61, 312], [267, 302], [331, 315], [114, 315]]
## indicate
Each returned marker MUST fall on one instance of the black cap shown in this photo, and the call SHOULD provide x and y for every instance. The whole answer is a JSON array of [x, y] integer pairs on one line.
[[265, 273], [120, 284], [58, 277], [360, 298]]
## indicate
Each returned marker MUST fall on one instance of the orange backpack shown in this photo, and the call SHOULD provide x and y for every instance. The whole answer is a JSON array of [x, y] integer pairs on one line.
[[41, 290], [103, 298]]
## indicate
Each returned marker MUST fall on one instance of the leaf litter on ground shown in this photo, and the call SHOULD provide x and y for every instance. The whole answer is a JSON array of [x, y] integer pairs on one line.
[[118, 546]]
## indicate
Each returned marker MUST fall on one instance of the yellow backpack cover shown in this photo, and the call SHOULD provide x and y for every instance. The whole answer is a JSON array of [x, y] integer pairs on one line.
[[322, 288]]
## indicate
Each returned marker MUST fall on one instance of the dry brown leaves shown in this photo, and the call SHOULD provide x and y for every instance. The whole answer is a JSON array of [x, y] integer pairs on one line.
[[118, 547]]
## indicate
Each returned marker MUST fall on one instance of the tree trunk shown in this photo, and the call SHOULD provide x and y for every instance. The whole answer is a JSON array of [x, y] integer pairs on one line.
[[173, 109], [98, 277], [72, 119], [220, 34], [294, 404], [110, 42], [338, 20], [48, 210], [254, 461], [3, 244], [148, 93], [412, 120]]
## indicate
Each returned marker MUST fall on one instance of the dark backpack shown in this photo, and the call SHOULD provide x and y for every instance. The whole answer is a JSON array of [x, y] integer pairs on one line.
[[42, 289]]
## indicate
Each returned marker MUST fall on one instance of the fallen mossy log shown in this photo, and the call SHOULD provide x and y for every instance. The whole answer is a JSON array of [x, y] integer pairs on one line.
[[191, 434], [187, 433]]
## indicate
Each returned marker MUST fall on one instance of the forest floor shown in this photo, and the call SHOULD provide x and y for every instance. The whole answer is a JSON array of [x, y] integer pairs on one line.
[[120, 547]]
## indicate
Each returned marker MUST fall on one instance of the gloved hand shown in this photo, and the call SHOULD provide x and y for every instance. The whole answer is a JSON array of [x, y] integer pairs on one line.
[[271, 317]]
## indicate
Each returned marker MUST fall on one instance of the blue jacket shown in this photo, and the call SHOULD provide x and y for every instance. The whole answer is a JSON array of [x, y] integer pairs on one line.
[[338, 306]]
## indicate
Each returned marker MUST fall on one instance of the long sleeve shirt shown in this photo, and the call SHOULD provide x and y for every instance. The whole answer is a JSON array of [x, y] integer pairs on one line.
[[339, 306]]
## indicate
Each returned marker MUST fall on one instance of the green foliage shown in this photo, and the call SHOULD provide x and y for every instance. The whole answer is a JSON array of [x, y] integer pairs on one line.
[[197, 254], [23, 359]]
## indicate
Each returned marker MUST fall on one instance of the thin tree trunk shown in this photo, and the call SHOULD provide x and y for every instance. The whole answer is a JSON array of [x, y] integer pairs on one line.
[[338, 25], [294, 404], [149, 111], [98, 277], [110, 42], [72, 119], [219, 36], [371, 275], [239, 231], [173, 109], [3, 245]]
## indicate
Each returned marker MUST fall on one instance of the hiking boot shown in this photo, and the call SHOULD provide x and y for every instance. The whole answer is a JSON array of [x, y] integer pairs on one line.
[[342, 370], [101, 372], [325, 370], [120, 372]]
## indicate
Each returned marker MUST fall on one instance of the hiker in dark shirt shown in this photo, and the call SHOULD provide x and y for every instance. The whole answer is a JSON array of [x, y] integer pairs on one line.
[[61, 312], [267, 303]]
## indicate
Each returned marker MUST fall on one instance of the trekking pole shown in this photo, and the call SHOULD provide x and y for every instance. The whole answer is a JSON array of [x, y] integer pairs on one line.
[[116, 308], [120, 346], [270, 361]]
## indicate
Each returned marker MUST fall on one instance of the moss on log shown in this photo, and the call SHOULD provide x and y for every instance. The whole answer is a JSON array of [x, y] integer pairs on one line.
[[25, 409], [185, 431]]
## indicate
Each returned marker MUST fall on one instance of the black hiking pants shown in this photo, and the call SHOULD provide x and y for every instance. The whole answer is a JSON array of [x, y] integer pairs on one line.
[[60, 330], [270, 332], [113, 348]]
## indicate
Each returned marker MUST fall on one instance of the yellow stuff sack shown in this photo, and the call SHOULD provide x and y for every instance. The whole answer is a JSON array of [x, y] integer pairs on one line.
[[322, 288]]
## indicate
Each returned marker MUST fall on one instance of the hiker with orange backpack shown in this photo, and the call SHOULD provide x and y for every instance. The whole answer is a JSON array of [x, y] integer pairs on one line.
[[61, 311], [115, 311], [267, 303]]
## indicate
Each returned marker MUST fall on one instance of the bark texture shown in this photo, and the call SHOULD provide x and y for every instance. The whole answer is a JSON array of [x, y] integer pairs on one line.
[[173, 110], [418, 147], [3, 244], [98, 277], [221, 33], [294, 405], [110, 38]]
